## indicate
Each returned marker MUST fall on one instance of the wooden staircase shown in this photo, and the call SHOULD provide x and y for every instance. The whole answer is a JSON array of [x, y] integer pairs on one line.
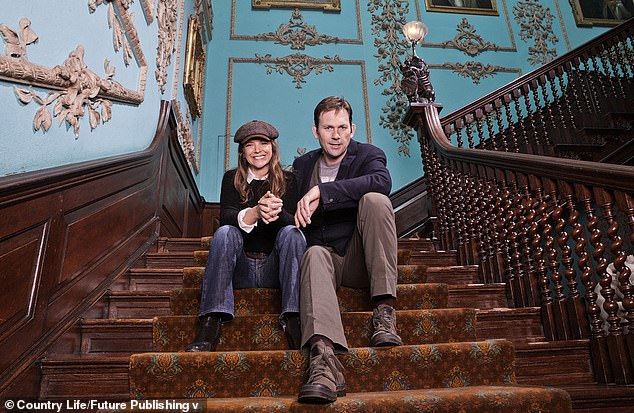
[[91, 361]]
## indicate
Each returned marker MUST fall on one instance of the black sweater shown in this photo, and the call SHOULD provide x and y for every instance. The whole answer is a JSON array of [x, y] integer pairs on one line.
[[262, 237]]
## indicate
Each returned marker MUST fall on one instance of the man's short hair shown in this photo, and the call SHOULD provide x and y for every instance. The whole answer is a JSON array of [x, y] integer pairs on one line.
[[332, 103]]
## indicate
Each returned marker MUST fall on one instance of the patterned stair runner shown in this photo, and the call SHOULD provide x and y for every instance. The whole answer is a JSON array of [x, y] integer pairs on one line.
[[442, 366]]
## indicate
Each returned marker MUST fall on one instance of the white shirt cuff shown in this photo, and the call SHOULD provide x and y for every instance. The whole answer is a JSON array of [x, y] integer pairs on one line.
[[243, 225]]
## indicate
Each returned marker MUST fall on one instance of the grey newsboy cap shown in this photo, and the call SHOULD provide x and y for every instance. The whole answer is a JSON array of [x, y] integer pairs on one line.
[[255, 129]]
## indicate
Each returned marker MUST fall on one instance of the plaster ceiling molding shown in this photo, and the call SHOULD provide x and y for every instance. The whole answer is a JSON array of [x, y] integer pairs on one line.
[[388, 19], [185, 136], [124, 34], [167, 17], [475, 70], [297, 34], [536, 22], [468, 41], [297, 65]]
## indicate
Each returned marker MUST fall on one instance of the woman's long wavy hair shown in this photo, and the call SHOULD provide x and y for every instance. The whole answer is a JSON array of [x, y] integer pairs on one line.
[[276, 179]]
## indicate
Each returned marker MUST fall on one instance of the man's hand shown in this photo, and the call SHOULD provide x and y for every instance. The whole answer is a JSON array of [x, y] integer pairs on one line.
[[269, 207], [307, 206]]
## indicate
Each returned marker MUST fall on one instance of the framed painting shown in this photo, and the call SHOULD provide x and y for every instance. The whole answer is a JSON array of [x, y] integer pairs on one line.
[[487, 7], [329, 5], [194, 72], [601, 12]]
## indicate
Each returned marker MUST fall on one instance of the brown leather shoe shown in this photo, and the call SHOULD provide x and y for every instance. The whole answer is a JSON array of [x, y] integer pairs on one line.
[[293, 330], [208, 334], [326, 380], [384, 323]]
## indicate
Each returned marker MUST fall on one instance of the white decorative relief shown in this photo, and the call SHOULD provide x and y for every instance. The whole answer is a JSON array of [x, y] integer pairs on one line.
[[185, 136], [167, 15], [77, 89], [148, 10], [16, 43], [124, 34]]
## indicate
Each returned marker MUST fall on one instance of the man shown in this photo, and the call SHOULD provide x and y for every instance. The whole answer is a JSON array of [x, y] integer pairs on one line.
[[350, 231]]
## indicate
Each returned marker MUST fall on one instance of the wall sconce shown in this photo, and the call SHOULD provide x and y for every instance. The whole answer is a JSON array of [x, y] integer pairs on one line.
[[415, 82]]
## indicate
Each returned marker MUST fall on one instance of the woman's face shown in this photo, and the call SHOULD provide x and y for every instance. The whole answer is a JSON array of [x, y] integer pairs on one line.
[[258, 153]]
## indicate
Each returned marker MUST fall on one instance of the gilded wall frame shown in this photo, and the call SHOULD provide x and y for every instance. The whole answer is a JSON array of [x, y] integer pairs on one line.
[[194, 72], [328, 5], [486, 7], [594, 13]]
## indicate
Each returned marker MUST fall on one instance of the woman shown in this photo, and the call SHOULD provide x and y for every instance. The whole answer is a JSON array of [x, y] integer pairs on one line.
[[256, 244]]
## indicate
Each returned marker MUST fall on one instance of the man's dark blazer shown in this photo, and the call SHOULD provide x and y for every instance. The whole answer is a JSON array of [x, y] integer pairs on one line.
[[362, 170]]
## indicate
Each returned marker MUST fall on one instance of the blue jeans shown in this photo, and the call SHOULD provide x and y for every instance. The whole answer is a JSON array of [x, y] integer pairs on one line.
[[228, 268]]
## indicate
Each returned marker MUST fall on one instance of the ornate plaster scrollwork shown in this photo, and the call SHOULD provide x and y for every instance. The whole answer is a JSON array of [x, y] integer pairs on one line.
[[475, 70], [77, 89], [185, 136], [297, 65], [388, 17], [297, 34], [536, 22], [167, 17], [468, 41]]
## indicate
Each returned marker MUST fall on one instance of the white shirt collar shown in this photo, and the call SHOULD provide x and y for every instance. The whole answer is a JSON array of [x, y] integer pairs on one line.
[[251, 176]]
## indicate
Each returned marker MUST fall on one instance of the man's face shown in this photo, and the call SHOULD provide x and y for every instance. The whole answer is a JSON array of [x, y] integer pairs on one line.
[[334, 133]]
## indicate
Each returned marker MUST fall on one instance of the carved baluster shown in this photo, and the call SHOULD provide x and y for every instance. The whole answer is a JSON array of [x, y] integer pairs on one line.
[[521, 122], [489, 113], [528, 216], [592, 74], [539, 110], [551, 116], [617, 346], [536, 232], [608, 70], [576, 307], [482, 213], [610, 57], [628, 57], [509, 119], [578, 84], [564, 94], [561, 316], [479, 126], [499, 196], [459, 127], [561, 108], [474, 235], [531, 115], [625, 202], [469, 125], [459, 214]]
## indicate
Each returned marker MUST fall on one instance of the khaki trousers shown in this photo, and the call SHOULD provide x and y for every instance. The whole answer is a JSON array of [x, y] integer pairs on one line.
[[370, 262]]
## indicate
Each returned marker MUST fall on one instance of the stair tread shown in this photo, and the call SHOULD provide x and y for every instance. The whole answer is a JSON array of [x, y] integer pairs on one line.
[[473, 398]]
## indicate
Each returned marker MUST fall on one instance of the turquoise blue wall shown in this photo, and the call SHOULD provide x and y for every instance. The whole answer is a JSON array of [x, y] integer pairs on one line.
[[61, 26], [239, 87]]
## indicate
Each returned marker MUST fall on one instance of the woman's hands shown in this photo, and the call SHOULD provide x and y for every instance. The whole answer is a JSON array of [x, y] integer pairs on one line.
[[268, 210]]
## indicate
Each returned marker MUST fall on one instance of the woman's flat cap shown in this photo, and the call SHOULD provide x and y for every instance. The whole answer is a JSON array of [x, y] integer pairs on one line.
[[255, 129]]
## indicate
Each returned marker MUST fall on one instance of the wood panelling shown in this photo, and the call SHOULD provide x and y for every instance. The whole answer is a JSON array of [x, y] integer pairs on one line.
[[67, 233]]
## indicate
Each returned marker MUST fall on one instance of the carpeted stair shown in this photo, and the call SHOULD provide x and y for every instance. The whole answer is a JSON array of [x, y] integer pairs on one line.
[[442, 366]]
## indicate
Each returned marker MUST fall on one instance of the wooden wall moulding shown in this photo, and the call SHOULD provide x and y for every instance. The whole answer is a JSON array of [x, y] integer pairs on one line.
[[84, 227], [194, 73], [328, 5]]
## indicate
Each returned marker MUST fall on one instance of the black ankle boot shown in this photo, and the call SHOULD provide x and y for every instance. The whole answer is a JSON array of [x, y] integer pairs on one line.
[[293, 331], [208, 334]]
